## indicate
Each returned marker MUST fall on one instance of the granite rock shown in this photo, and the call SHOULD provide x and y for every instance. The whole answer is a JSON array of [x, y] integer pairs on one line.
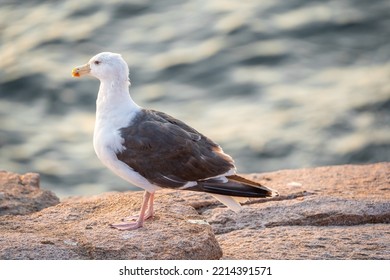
[[335, 212], [78, 228], [21, 194]]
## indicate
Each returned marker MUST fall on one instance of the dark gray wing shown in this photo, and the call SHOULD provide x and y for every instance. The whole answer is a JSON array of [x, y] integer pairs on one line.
[[169, 153]]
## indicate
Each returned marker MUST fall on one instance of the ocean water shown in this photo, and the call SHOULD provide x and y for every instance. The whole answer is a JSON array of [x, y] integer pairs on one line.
[[278, 84]]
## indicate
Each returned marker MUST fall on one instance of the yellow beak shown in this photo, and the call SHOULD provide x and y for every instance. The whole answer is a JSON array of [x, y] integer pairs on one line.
[[81, 70]]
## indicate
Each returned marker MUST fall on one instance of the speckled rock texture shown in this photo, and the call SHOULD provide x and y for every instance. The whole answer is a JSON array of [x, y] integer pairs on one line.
[[335, 212], [78, 228], [21, 194]]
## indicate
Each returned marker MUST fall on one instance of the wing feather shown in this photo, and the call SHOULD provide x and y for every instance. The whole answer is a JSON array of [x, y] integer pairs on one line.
[[169, 153]]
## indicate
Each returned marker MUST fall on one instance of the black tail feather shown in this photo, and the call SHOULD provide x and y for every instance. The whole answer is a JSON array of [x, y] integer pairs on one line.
[[236, 186]]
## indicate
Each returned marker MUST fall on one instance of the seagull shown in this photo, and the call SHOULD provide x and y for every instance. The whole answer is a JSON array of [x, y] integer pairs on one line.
[[152, 150]]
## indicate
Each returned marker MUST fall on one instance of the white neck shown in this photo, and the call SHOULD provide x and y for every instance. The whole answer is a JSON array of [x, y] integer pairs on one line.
[[114, 102]]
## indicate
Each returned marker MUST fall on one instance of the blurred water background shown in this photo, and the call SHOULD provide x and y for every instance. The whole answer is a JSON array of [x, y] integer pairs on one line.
[[278, 84]]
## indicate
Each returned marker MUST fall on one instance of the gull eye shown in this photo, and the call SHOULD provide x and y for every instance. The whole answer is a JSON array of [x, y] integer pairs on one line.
[[97, 62]]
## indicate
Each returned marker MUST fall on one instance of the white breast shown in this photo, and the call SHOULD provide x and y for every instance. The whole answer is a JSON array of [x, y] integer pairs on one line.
[[107, 142]]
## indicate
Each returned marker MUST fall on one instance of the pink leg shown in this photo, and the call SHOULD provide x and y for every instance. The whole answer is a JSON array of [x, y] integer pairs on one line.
[[147, 207], [149, 211]]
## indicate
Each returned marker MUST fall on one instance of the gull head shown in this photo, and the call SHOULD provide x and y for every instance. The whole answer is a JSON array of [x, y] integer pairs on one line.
[[104, 66]]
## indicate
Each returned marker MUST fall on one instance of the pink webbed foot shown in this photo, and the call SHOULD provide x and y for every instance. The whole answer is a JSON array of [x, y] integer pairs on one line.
[[127, 226], [148, 215], [145, 213]]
